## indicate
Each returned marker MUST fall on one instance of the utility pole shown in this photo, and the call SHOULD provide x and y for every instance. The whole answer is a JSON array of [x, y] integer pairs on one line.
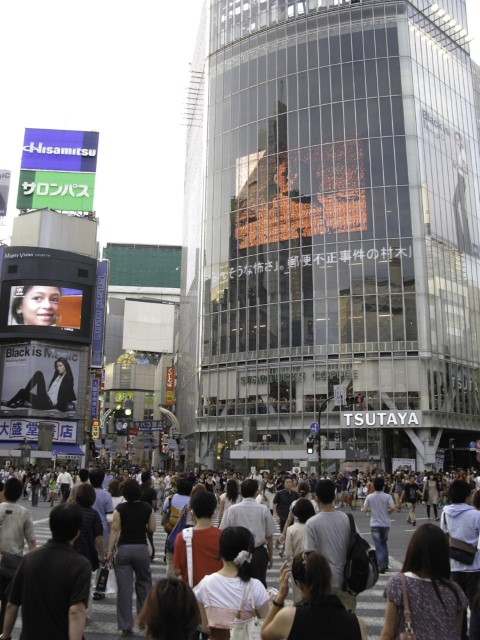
[[321, 410]]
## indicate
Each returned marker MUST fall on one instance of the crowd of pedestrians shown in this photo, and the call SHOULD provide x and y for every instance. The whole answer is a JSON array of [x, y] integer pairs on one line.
[[218, 574]]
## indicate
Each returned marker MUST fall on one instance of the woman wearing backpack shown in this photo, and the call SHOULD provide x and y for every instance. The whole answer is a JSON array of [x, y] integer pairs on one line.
[[231, 591], [318, 608], [131, 521]]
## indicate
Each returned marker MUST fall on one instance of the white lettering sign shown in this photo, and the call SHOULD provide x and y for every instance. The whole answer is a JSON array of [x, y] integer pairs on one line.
[[378, 419]]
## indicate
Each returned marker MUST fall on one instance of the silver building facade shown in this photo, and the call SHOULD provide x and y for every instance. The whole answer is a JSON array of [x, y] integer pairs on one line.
[[335, 275]]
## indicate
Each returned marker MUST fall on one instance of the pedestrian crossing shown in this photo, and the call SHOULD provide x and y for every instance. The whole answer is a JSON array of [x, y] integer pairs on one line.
[[102, 623]]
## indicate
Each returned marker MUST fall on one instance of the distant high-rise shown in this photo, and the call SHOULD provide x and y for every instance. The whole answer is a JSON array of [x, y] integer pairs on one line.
[[332, 259]]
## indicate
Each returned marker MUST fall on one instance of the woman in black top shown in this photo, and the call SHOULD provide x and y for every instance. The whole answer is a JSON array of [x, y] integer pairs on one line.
[[131, 521], [319, 609]]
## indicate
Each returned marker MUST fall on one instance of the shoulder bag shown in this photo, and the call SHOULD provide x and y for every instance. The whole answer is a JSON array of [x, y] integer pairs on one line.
[[458, 549], [408, 633], [250, 629]]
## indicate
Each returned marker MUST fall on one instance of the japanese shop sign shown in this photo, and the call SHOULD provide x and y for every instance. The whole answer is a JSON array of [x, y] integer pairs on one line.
[[378, 419], [57, 150], [15, 429], [60, 191]]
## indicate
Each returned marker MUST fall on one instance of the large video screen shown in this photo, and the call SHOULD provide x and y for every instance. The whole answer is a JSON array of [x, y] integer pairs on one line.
[[46, 293], [39, 308]]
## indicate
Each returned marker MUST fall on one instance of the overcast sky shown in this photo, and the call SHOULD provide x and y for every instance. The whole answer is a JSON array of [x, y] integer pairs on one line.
[[122, 69]]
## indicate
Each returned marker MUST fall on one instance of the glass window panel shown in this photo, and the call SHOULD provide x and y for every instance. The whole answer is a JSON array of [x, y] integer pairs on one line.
[[297, 323], [359, 79], [302, 56], [292, 58], [262, 68], [325, 93], [312, 54], [379, 212], [252, 105], [388, 161], [362, 122], [314, 126], [334, 49], [410, 318], [398, 328], [392, 41], [332, 323], [357, 45], [242, 330], [293, 130], [285, 324], [338, 132], [346, 44], [371, 318], [243, 74], [386, 117], [395, 78], [244, 106], [302, 90], [326, 123], [369, 43], [323, 52], [373, 117], [376, 163], [404, 211], [292, 101], [308, 322], [336, 80], [281, 61], [304, 139], [347, 81], [233, 332], [401, 160], [371, 77], [381, 42], [313, 87], [252, 70], [273, 326], [398, 117], [349, 120], [382, 77]]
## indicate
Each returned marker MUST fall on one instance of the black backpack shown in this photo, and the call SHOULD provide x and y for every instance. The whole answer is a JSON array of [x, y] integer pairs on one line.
[[361, 568]]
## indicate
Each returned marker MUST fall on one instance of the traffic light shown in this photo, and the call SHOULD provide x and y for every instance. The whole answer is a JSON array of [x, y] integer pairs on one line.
[[118, 412], [128, 408], [359, 399], [310, 445]]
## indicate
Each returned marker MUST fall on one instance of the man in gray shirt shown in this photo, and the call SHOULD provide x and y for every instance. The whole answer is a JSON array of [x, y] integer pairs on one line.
[[16, 528], [329, 533], [257, 519], [380, 504]]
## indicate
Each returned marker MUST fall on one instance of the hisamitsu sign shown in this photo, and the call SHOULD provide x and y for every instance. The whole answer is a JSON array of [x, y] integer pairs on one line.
[[59, 150], [378, 419]]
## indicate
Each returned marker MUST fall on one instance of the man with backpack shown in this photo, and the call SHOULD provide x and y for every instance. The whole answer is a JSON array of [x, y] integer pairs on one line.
[[329, 533], [173, 507]]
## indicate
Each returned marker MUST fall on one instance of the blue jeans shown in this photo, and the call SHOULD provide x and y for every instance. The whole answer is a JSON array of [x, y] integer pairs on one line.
[[380, 539]]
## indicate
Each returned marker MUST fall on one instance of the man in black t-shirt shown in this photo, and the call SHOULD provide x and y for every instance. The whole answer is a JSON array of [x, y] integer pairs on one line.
[[149, 495], [282, 501], [34, 478], [410, 496], [52, 583]]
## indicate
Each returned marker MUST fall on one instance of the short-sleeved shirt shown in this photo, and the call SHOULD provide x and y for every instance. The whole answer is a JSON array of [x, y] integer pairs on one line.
[[222, 597], [283, 499], [48, 582], [91, 528], [329, 533], [430, 618], [378, 503], [103, 505], [134, 517], [205, 544], [148, 493], [255, 517], [16, 527]]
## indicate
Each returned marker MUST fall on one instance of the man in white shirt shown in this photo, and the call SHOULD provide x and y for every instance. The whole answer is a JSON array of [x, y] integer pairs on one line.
[[65, 482], [380, 504]]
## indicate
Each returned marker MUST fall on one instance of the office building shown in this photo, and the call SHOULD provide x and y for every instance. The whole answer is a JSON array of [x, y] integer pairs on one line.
[[333, 274]]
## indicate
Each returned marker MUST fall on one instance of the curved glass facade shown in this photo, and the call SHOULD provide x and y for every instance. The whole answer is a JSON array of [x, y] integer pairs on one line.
[[341, 238]]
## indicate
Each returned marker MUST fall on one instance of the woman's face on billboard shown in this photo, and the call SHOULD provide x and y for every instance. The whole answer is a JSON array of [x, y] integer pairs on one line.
[[39, 306]]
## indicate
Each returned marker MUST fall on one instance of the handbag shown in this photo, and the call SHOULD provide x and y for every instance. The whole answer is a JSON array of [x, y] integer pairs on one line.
[[102, 578], [408, 633], [111, 588], [458, 549], [250, 629]]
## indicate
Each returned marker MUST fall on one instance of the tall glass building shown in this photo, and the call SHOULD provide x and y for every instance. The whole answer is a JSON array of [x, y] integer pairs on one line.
[[332, 266]]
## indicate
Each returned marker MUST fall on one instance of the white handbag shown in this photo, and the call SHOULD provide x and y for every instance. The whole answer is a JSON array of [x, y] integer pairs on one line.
[[250, 629]]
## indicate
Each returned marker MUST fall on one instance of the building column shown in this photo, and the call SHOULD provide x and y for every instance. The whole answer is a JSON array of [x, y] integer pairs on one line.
[[425, 445]]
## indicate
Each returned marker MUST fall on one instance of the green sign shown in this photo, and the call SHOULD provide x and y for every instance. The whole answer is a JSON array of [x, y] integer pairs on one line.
[[56, 190]]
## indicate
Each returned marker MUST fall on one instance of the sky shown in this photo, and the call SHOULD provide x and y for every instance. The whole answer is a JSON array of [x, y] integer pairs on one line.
[[122, 69]]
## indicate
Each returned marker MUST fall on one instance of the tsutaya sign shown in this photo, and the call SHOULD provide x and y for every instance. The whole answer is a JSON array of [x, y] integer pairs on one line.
[[379, 419]]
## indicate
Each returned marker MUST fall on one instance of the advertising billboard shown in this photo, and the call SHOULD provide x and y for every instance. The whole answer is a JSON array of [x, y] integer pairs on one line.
[[58, 150], [56, 190], [5, 175], [316, 192], [47, 293], [39, 377]]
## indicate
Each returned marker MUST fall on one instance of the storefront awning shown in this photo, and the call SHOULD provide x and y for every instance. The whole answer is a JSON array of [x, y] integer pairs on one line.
[[66, 449]]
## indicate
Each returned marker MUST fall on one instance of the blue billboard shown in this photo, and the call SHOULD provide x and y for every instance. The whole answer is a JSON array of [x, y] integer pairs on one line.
[[58, 150]]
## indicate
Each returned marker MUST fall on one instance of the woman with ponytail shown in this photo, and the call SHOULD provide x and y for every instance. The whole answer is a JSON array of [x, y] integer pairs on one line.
[[231, 591], [318, 610]]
